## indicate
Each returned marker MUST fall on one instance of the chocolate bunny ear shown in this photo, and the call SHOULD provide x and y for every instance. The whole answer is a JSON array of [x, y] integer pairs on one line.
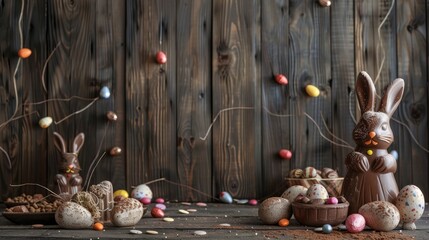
[[392, 97], [59, 142], [78, 142], [365, 91]]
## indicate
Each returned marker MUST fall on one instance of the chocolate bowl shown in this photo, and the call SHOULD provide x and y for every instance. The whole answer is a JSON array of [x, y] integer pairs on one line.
[[320, 214]]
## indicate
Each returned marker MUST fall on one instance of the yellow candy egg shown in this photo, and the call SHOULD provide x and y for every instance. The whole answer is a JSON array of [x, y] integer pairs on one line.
[[120, 192], [312, 90]]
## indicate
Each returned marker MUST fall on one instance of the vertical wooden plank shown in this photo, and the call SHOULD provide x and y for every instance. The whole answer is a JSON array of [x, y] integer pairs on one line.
[[236, 74], [343, 80], [151, 96], [70, 74], [412, 67], [194, 97], [310, 64], [276, 133]]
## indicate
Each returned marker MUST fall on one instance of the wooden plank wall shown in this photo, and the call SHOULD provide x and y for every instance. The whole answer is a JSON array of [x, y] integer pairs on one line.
[[222, 59]]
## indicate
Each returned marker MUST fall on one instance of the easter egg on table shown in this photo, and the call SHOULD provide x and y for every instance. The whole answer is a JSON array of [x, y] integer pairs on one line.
[[127, 212], [380, 215], [71, 215], [225, 197], [411, 205], [355, 223], [141, 191], [120, 192], [272, 209]]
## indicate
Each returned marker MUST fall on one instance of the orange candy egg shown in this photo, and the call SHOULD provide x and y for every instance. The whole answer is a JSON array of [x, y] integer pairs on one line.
[[98, 226], [24, 52], [283, 222]]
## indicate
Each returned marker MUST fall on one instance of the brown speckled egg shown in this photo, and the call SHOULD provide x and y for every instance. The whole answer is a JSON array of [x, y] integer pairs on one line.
[[380, 215], [317, 191], [293, 192], [272, 209], [127, 212], [71, 215]]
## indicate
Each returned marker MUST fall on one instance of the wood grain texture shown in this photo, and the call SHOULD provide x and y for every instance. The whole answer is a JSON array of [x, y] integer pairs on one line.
[[310, 58], [343, 81], [276, 99], [236, 134], [151, 96], [194, 98], [412, 67]]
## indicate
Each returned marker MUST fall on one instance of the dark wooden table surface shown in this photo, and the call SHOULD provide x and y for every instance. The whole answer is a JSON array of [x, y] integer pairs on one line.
[[243, 221]]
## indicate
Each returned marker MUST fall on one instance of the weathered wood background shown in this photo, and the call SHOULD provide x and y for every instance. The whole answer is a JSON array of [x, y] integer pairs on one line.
[[222, 54]]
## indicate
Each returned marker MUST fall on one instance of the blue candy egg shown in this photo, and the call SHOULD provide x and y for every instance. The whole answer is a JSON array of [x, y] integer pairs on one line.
[[395, 154], [105, 92], [327, 228], [225, 197]]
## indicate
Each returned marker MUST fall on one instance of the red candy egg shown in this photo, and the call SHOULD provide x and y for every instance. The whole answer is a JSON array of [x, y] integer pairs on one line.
[[145, 201], [355, 223], [281, 79], [253, 202], [157, 212], [161, 57], [285, 154]]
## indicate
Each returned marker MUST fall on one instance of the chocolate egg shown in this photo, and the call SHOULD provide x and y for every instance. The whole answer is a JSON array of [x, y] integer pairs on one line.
[[380, 215], [294, 191], [316, 191], [71, 215], [141, 191], [111, 116], [272, 209], [127, 212], [115, 151], [411, 205]]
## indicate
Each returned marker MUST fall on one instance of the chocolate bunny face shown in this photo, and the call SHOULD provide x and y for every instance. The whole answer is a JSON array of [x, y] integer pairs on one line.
[[373, 129], [69, 162]]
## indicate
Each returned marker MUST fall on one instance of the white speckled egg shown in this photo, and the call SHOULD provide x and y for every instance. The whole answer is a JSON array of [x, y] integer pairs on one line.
[[293, 192], [272, 209], [71, 215], [317, 191], [127, 212], [411, 205], [141, 191], [380, 215]]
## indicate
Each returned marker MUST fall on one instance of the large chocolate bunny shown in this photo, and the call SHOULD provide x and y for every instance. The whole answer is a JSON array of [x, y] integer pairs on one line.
[[370, 176], [68, 179]]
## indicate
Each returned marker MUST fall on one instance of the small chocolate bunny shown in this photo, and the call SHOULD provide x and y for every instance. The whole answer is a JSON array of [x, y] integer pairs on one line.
[[68, 179], [370, 168]]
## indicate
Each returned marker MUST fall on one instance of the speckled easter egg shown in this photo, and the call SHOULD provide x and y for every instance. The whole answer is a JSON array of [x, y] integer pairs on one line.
[[309, 172], [141, 191], [127, 212], [317, 191], [272, 209], [355, 223], [380, 215], [293, 192], [71, 215], [411, 205]]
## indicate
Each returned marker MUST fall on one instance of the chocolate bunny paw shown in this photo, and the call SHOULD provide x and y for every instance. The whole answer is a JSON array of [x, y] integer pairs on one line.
[[357, 161], [384, 164]]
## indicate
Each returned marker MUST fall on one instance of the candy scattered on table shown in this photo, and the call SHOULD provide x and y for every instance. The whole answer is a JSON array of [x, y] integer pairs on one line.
[[135, 231], [327, 228], [161, 206], [241, 201], [201, 204], [253, 202], [157, 212], [283, 222], [183, 211], [168, 219], [145, 201], [151, 232], [37, 226], [225, 197], [200, 233], [159, 200]]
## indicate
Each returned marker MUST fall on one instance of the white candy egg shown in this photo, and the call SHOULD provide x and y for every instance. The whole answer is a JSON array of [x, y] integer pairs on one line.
[[317, 191], [411, 205], [127, 212], [293, 192], [71, 215], [380, 215], [141, 191]]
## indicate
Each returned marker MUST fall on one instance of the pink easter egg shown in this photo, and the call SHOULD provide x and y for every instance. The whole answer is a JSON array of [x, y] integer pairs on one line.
[[355, 223]]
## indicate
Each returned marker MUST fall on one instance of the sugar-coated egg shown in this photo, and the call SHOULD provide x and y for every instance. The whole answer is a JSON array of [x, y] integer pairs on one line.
[[146, 201], [281, 79], [327, 228], [294, 191], [380, 215], [312, 90], [411, 205], [316, 191], [285, 154], [284, 222], [253, 202], [225, 197], [355, 223], [157, 212], [161, 57]]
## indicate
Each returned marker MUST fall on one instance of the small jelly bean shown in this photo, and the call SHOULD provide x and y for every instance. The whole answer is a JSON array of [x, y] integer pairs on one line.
[[253, 202], [327, 228]]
